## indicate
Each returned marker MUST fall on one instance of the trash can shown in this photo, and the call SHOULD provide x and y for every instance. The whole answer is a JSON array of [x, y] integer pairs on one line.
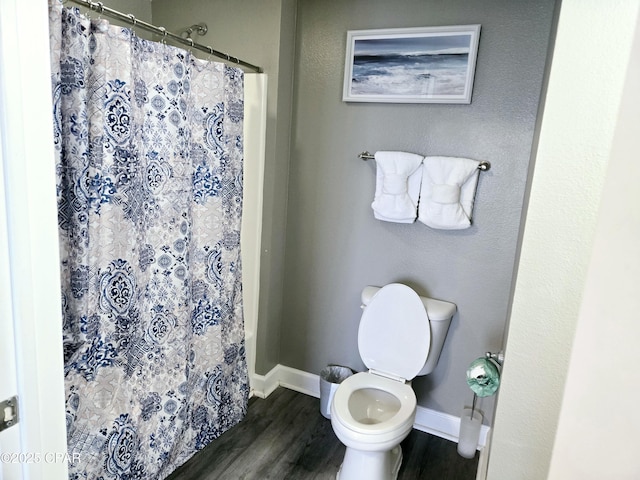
[[330, 378]]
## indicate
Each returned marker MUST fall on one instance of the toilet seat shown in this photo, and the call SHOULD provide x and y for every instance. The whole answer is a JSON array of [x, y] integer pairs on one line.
[[401, 421], [394, 336]]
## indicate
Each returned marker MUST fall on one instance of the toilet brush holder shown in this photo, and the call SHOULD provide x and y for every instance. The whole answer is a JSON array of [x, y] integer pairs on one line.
[[470, 424]]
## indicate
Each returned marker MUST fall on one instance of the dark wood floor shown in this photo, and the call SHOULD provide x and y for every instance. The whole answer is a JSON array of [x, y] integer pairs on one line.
[[286, 437]]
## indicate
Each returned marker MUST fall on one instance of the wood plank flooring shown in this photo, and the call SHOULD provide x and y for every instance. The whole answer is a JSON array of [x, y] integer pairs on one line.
[[284, 437]]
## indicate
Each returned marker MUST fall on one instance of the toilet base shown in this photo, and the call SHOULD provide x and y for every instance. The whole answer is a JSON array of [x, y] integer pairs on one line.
[[359, 464]]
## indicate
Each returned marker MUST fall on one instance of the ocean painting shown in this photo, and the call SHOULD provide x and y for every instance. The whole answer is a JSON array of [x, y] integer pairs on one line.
[[417, 67]]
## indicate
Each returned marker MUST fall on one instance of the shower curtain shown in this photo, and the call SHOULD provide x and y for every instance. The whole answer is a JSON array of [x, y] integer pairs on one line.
[[149, 183]]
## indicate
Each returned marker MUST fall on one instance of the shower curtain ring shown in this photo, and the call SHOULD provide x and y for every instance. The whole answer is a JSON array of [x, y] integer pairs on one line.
[[134, 20], [100, 10], [163, 31]]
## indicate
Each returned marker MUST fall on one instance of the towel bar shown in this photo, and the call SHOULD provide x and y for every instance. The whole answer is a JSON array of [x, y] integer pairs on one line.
[[484, 165]]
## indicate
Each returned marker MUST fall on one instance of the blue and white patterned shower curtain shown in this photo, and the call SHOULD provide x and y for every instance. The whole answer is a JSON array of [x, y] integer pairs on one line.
[[149, 164]]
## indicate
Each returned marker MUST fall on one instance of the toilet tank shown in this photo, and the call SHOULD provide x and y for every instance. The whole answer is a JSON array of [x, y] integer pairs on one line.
[[440, 314]]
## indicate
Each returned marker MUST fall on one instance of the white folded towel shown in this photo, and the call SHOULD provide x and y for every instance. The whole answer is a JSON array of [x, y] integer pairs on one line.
[[398, 178], [447, 193]]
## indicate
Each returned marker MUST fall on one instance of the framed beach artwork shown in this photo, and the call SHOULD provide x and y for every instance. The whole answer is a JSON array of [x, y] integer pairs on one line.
[[411, 65]]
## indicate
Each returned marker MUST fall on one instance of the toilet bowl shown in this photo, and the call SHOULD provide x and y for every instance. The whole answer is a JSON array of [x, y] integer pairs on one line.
[[372, 412]]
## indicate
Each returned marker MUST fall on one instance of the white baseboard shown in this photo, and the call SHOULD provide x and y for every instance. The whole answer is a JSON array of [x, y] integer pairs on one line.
[[444, 425], [430, 421], [264, 385], [280, 376]]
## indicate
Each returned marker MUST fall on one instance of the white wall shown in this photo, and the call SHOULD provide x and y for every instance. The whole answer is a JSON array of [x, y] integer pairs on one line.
[[255, 117], [585, 87], [32, 230], [598, 432]]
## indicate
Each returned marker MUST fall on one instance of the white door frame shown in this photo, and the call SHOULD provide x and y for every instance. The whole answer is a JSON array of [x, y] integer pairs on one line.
[[32, 240], [9, 438]]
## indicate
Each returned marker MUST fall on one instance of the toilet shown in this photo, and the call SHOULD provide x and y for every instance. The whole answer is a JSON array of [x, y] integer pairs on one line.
[[400, 337]]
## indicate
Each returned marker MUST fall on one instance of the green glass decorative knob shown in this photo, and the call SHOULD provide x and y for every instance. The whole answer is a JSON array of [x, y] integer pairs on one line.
[[483, 377]]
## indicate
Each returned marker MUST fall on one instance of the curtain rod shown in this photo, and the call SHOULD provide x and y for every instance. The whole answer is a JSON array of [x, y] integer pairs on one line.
[[132, 20]]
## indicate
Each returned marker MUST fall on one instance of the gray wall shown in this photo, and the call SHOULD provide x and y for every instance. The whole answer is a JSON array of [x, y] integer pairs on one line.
[[334, 246]]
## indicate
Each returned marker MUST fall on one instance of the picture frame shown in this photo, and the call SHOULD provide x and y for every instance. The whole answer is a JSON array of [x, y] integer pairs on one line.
[[411, 65]]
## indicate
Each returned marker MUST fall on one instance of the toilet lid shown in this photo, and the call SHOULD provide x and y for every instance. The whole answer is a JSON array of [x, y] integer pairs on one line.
[[394, 335]]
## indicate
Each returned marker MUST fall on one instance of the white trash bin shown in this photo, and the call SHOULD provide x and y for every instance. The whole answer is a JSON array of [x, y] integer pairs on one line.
[[330, 378]]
